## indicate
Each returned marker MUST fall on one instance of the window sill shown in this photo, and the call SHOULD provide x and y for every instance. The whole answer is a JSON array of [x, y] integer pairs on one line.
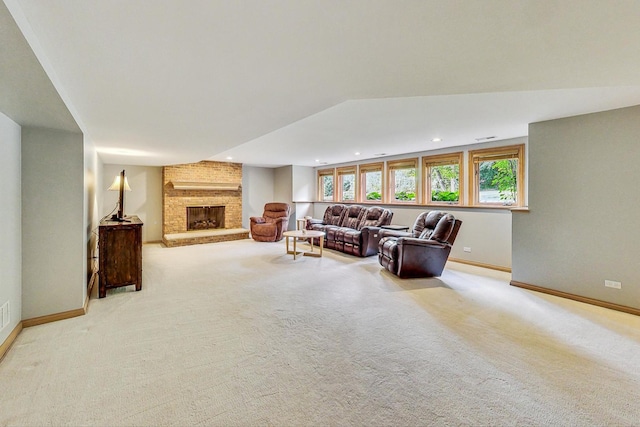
[[443, 206]]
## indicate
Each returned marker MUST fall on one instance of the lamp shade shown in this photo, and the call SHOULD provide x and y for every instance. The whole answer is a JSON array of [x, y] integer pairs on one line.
[[116, 184]]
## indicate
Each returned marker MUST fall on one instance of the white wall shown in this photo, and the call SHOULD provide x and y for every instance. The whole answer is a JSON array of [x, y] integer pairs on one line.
[[283, 181], [10, 211], [92, 168], [144, 200], [54, 250], [283, 190], [303, 184], [257, 189], [304, 190], [582, 227]]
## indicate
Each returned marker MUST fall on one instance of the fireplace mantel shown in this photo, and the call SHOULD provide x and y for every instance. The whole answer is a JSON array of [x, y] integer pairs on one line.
[[214, 186]]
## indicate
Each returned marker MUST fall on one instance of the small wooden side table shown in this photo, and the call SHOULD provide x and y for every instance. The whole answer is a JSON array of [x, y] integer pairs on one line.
[[120, 253]]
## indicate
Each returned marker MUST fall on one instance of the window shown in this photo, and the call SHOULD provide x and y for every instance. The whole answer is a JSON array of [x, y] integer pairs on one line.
[[325, 185], [443, 179], [497, 176], [371, 182], [347, 184], [402, 180]]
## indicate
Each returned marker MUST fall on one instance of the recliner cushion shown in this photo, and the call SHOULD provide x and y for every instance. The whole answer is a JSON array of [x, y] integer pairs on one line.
[[333, 214], [352, 216], [350, 236], [426, 223], [331, 231], [375, 216], [444, 228], [273, 211]]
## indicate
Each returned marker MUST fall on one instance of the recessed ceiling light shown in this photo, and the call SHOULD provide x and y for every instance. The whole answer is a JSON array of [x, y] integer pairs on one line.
[[436, 140], [229, 158], [357, 153], [317, 160]]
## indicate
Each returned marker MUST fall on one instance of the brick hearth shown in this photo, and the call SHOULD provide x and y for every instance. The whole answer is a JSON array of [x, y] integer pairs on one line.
[[175, 202]]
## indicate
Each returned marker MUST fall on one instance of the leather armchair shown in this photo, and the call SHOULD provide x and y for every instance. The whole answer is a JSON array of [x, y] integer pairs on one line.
[[422, 252], [273, 222]]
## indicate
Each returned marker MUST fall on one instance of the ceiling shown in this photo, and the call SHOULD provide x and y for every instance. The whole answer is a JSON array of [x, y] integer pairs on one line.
[[313, 81]]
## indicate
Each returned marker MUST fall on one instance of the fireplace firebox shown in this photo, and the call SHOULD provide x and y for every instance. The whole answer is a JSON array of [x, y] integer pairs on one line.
[[205, 217]]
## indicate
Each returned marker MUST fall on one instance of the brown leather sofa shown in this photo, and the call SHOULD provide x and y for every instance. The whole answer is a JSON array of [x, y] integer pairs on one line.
[[273, 222], [352, 229], [423, 251]]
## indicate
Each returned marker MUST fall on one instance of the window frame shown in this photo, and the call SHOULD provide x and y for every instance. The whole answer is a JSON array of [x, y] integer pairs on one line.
[[362, 171], [496, 153], [340, 173], [394, 165], [442, 160], [322, 173]]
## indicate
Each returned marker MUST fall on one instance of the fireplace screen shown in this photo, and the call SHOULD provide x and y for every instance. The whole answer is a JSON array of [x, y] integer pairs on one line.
[[205, 217]]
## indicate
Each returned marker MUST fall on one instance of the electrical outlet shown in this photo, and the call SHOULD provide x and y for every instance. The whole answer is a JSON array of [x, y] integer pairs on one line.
[[4, 315], [467, 249], [613, 284]]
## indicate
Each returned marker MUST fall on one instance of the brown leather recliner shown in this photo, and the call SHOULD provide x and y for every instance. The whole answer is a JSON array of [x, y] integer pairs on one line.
[[422, 252], [273, 222]]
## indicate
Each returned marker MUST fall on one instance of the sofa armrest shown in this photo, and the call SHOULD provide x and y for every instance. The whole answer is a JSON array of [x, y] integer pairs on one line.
[[421, 257], [370, 238], [395, 233], [257, 220], [314, 221], [423, 243]]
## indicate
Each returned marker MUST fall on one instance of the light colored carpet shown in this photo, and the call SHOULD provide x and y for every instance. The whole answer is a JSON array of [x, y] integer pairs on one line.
[[238, 333]]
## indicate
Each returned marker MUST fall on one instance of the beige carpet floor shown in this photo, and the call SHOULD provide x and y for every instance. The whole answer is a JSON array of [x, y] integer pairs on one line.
[[239, 333]]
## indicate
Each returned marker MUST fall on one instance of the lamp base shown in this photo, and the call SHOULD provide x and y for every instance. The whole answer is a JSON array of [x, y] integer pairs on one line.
[[116, 218]]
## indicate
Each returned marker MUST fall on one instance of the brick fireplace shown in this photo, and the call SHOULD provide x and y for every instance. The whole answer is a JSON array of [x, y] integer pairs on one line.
[[202, 203]]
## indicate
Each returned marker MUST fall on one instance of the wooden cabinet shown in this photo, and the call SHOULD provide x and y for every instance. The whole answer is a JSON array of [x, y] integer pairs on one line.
[[120, 253]]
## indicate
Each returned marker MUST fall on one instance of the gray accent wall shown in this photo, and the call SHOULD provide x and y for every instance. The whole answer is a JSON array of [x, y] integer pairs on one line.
[[584, 199], [10, 211], [53, 223]]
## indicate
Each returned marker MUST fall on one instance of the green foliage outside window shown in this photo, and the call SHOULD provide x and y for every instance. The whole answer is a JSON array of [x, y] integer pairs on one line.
[[374, 195], [506, 179], [327, 187], [405, 195], [405, 180], [373, 183], [501, 177], [348, 187], [445, 196], [445, 183]]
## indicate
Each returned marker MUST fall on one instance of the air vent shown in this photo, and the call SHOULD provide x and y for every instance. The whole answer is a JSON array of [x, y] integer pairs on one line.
[[486, 138]]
